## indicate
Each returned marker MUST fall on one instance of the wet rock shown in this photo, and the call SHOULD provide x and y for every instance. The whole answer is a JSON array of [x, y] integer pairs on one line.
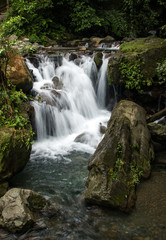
[[96, 41], [158, 132], [72, 57], [14, 151], [17, 207], [98, 59], [108, 39], [102, 129], [121, 159], [18, 73], [47, 98], [47, 86], [57, 83], [83, 138]]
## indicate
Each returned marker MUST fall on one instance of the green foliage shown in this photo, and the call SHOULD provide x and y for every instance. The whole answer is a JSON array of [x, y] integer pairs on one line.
[[140, 16], [11, 100], [5, 51], [132, 75], [119, 165], [84, 17], [135, 175], [28, 18], [116, 21], [10, 114], [48, 18], [27, 49], [161, 72]]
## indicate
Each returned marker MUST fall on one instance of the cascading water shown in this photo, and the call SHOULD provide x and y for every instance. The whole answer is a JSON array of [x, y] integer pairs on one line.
[[101, 89], [69, 104]]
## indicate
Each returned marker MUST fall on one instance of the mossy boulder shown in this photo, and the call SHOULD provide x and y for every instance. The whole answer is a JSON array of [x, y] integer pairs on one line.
[[15, 148], [121, 159], [18, 73], [147, 51], [98, 59]]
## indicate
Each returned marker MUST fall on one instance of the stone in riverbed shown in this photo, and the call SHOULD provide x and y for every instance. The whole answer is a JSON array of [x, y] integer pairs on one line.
[[17, 207], [121, 159]]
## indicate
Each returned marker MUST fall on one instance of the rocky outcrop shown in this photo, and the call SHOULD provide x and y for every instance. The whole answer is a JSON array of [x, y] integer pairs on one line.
[[17, 209], [134, 68], [121, 159], [15, 148], [18, 73]]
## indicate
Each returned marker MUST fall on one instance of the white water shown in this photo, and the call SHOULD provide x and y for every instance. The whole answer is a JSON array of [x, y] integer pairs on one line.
[[101, 89], [70, 111]]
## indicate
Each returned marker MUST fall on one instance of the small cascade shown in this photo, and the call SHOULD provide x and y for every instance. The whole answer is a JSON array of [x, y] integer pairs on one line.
[[102, 83], [66, 104]]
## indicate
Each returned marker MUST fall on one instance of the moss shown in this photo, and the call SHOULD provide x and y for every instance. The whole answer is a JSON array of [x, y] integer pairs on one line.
[[142, 44], [148, 52], [98, 59], [14, 152]]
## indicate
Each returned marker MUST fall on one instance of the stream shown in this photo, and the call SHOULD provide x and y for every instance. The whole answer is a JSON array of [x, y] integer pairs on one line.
[[70, 107]]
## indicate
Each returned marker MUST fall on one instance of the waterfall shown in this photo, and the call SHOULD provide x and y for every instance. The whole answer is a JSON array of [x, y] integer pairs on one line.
[[101, 89], [66, 104]]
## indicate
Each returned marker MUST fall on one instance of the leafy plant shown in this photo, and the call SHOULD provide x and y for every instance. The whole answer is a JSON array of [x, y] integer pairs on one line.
[[118, 168], [11, 100], [132, 75], [135, 175], [161, 72]]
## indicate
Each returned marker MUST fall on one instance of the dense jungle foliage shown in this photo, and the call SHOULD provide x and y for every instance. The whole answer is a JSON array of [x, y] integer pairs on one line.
[[60, 19], [11, 100]]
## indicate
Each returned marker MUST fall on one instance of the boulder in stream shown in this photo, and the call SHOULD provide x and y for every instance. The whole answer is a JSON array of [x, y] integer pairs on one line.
[[17, 207], [121, 159], [15, 148], [57, 83]]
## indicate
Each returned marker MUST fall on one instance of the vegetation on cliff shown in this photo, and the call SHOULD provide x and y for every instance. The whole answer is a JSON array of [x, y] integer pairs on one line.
[[56, 19], [15, 128]]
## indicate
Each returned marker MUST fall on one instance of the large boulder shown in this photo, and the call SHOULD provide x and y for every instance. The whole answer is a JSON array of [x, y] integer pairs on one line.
[[18, 73], [121, 159], [149, 51], [15, 148], [17, 207], [134, 68]]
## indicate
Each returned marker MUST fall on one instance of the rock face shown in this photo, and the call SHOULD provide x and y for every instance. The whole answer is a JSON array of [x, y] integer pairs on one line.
[[121, 159], [134, 68], [17, 207], [18, 73], [15, 148]]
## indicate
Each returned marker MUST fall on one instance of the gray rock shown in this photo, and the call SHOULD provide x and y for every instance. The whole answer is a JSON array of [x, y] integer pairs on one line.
[[121, 158], [108, 39], [102, 129], [83, 138], [57, 83], [16, 209], [13, 38]]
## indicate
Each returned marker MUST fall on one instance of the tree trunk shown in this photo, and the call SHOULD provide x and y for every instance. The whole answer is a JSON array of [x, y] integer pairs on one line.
[[157, 116]]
